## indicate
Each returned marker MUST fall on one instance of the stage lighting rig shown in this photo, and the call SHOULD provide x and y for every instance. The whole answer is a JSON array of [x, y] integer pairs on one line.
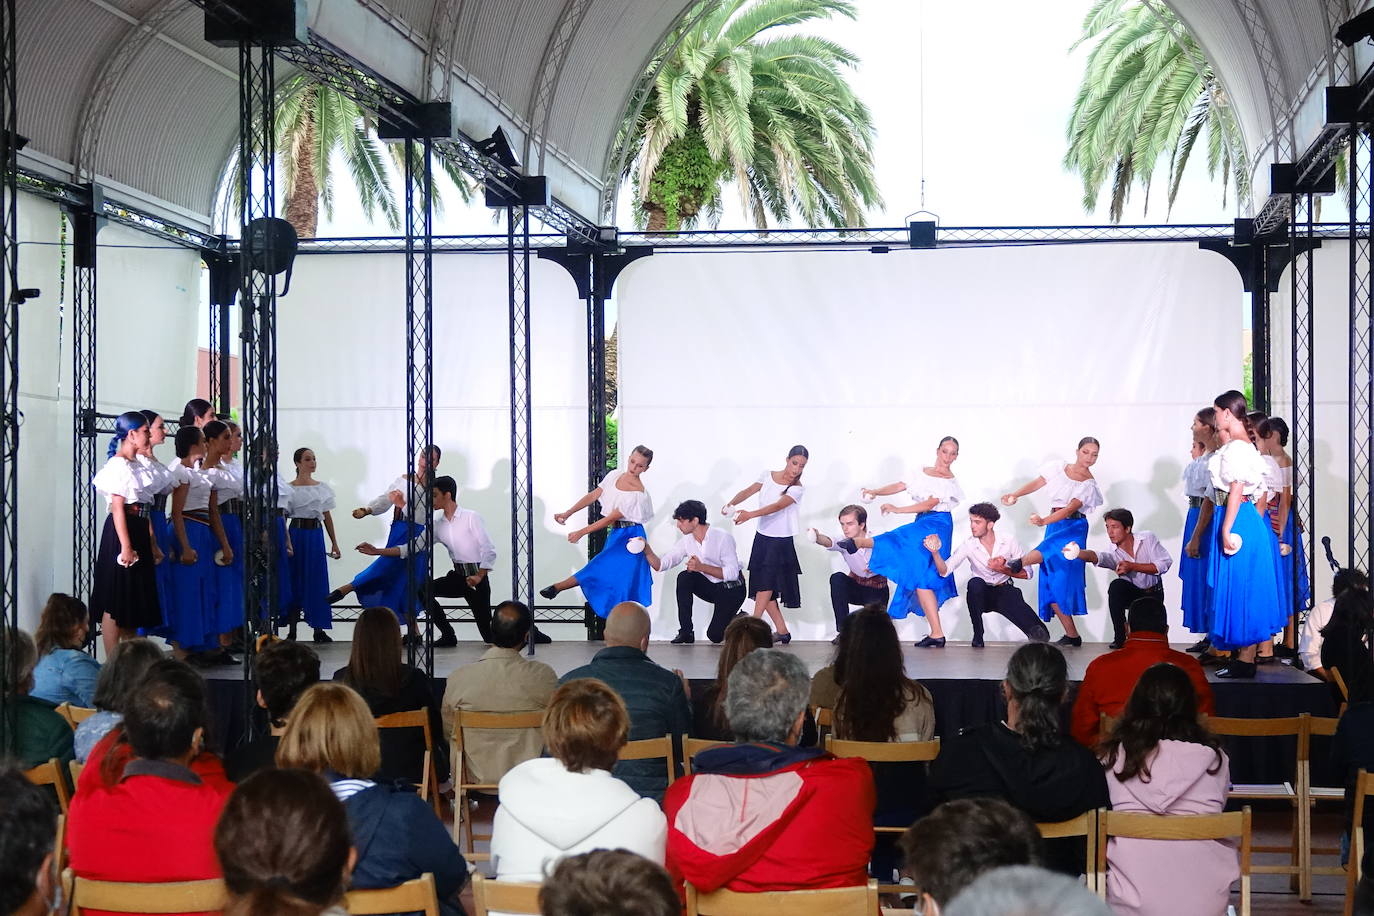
[[1357, 29]]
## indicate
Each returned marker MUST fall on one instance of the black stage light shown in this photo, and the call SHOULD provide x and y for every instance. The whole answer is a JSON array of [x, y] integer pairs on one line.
[[1357, 29], [20, 296], [498, 147]]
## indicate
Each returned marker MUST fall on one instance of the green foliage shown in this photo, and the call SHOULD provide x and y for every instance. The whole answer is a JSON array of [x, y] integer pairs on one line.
[[686, 180], [1248, 378], [612, 443]]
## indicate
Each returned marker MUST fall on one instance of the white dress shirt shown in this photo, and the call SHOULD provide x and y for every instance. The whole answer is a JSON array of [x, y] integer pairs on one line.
[[717, 548], [1148, 549], [198, 487], [465, 537], [978, 557], [1310, 639], [783, 523], [380, 505], [856, 561]]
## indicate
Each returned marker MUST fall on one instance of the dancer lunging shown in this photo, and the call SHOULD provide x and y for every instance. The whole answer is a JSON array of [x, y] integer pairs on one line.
[[464, 536], [712, 573], [860, 585], [1138, 559], [773, 565]]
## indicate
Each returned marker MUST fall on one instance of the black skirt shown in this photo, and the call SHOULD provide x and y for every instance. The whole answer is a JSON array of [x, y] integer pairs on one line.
[[129, 595], [773, 567]]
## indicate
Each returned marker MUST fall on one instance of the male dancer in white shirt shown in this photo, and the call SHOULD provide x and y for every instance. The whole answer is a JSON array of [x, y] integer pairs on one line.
[[462, 532], [860, 585], [712, 573], [990, 587], [1138, 558]]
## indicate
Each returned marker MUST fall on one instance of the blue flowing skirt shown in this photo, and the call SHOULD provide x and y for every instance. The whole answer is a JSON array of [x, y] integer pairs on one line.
[[166, 542], [229, 579], [901, 556], [383, 583], [615, 575], [1062, 582], [1296, 561], [285, 589], [193, 623], [1197, 596], [1246, 606], [310, 577]]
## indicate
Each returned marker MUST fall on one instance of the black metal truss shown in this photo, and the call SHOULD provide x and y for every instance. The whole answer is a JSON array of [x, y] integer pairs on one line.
[[83, 311], [10, 301], [1361, 368], [1301, 434], [521, 420], [116, 211], [224, 287]]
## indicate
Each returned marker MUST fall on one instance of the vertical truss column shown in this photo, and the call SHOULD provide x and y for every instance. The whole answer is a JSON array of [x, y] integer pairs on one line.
[[1302, 441], [10, 301], [1361, 203], [224, 287], [84, 394], [521, 421]]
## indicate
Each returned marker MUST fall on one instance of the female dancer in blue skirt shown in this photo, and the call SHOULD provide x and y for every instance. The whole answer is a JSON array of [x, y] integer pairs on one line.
[[615, 574], [161, 485], [1242, 572], [227, 481], [1294, 586], [773, 565], [1073, 493], [196, 525], [1192, 565], [901, 555], [124, 594], [311, 502]]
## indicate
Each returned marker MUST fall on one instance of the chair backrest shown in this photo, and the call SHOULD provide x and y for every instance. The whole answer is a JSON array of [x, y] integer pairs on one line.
[[418, 718], [417, 896], [1135, 825], [52, 774], [471, 718], [1340, 682], [488, 894], [76, 714], [127, 897], [885, 751], [825, 720], [860, 900], [1278, 726], [1085, 825], [651, 749], [693, 746], [74, 767]]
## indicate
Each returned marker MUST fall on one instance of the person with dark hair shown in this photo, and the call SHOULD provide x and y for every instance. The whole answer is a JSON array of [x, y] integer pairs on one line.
[[773, 565], [197, 413], [1346, 644], [28, 828], [1243, 570], [124, 597], [1110, 678], [1139, 561], [618, 573], [1295, 588], [1026, 759], [859, 585], [376, 672], [309, 510], [464, 536], [123, 671], [226, 612], [1192, 562], [1310, 646], [712, 573], [502, 680], [152, 818], [742, 636], [569, 803], [64, 673], [1162, 761], [161, 483], [284, 670], [945, 851], [608, 882], [31, 731], [898, 554], [199, 535], [1073, 493], [989, 590], [284, 844]]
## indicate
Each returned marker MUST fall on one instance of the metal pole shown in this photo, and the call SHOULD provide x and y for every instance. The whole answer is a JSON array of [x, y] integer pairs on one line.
[[521, 431], [419, 179]]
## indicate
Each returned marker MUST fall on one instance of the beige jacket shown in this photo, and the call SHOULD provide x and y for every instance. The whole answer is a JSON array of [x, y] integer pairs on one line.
[[502, 680]]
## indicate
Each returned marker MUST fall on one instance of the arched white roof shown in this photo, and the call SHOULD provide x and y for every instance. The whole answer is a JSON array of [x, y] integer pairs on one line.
[[128, 92]]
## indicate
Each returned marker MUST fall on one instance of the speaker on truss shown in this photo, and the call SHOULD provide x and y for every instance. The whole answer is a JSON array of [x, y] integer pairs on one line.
[[269, 245]]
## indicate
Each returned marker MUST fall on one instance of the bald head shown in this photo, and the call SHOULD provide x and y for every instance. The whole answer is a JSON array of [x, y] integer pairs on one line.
[[628, 625]]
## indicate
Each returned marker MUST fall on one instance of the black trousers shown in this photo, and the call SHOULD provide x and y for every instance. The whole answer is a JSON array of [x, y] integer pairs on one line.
[[1005, 599], [454, 584], [844, 591], [1120, 594], [726, 600]]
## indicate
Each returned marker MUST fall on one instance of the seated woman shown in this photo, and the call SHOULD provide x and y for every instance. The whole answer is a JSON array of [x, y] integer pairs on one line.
[[388, 685], [64, 673], [123, 671], [570, 803], [1346, 642], [396, 834], [742, 636], [39, 732], [1163, 762]]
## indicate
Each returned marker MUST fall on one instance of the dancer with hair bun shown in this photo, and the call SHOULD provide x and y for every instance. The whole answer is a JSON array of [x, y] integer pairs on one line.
[[197, 413], [1073, 493], [311, 502], [773, 565], [1295, 588], [124, 597]]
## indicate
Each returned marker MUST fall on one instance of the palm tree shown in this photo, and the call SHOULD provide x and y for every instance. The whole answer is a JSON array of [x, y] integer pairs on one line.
[[741, 98], [1147, 94]]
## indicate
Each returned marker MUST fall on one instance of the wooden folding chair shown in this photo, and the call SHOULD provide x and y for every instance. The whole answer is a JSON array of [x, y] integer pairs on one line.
[[1085, 825], [860, 900], [463, 784], [1295, 727], [74, 715], [429, 777], [1364, 788], [417, 896], [52, 774], [127, 897], [693, 746], [1133, 825], [75, 768], [488, 894], [1339, 681], [652, 749], [1309, 797], [886, 752], [825, 722]]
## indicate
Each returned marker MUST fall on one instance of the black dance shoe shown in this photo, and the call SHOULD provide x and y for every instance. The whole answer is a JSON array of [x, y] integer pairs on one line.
[[1282, 651], [548, 592], [1270, 659], [977, 642], [225, 658], [782, 639], [1202, 645], [683, 638], [930, 642], [334, 597], [447, 641], [847, 545], [1072, 641], [1236, 669], [1116, 644], [319, 636], [540, 637]]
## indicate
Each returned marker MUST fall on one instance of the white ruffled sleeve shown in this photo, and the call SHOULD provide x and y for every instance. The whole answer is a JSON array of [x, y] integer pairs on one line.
[[608, 482], [1241, 461], [326, 501], [1051, 470], [117, 478], [1087, 493]]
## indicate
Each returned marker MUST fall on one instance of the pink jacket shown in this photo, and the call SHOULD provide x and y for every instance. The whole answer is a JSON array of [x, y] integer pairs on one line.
[[1171, 877]]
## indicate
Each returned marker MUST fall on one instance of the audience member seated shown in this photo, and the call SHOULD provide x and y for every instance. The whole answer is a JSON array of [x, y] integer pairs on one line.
[[655, 696], [951, 846], [39, 732], [284, 671], [1352, 749], [388, 685], [570, 803], [28, 829], [1310, 637], [1110, 678], [64, 673], [1026, 759], [608, 882], [742, 636], [763, 814], [284, 845], [1163, 762], [122, 672], [155, 820], [1346, 644], [396, 834], [502, 680], [1024, 890]]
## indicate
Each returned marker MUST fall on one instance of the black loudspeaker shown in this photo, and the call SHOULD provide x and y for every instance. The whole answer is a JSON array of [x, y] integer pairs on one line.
[[269, 245], [259, 22]]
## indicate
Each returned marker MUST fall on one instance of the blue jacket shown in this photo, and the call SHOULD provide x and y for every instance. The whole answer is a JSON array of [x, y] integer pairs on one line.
[[66, 676], [399, 838]]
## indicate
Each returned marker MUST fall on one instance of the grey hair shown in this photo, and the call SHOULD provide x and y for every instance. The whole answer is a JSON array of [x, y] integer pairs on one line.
[[21, 657], [1025, 890], [764, 694]]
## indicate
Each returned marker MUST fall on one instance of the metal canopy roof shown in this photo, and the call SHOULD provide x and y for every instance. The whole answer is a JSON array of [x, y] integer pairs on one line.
[[128, 93]]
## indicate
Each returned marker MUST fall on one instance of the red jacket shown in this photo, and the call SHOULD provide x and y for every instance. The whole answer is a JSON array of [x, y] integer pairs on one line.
[[1110, 678], [762, 817], [206, 765]]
